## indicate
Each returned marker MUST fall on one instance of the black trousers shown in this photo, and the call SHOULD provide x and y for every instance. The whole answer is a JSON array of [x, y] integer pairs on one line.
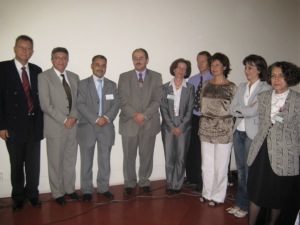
[[193, 157], [24, 156]]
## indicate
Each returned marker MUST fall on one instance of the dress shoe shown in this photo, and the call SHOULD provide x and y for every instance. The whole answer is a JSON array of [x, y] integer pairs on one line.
[[17, 206], [127, 191], [198, 188], [176, 191], [87, 197], [74, 196], [35, 202], [169, 191], [187, 183], [147, 189], [60, 200], [107, 194]]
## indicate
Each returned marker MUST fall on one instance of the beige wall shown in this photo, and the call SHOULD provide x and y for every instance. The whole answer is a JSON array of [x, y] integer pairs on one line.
[[168, 29]]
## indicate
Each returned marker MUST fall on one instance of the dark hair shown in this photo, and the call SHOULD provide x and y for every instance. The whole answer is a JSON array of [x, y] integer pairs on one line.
[[99, 57], [224, 60], [142, 50], [174, 65], [206, 53], [59, 49], [289, 70], [24, 38], [260, 64]]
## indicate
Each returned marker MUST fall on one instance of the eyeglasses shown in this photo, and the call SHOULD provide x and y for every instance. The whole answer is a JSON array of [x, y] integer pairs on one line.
[[60, 58], [138, 59]]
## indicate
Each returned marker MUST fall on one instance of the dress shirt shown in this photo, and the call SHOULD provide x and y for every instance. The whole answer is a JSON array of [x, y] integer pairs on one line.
[[177, 95], [194, 80], [247, 95], [277, 105], [19, 68], [95, 78], [143, 74], [60, 77]]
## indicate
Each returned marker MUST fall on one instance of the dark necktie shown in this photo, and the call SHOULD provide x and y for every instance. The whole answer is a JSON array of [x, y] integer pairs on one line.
[[197, 95], [141, 81], [67, 90], [26, 87]]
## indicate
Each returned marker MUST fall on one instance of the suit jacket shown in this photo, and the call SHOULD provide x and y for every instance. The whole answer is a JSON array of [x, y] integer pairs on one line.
[[144, 99], [283, 137], [88, 107], [13, 102], [54, 101], [185, 107], [241, 111]]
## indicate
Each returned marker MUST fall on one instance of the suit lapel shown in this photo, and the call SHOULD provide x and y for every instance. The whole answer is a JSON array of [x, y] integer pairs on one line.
[[170, 101], [93, 93], [56, 82], [254, 93], [183, 98]]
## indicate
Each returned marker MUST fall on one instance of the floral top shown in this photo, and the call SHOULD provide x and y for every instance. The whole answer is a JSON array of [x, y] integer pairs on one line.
[[216, 123]]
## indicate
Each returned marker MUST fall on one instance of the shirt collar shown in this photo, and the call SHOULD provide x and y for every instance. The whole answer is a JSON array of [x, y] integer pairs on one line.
[[183, 83]]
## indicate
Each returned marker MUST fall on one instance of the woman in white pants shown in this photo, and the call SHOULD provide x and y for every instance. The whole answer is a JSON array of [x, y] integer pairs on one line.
[[215, 130]]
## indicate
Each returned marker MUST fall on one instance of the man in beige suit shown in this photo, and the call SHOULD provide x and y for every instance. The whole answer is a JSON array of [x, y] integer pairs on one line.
[[58, 95], [140, 92]]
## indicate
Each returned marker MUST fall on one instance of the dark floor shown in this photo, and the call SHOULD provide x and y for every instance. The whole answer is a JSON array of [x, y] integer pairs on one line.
[[158, 208]]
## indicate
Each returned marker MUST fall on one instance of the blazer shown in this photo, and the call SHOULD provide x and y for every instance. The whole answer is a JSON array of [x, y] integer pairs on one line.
[[248, 112], [13, 102], [88, 107], [283, 138], [54, 101], [185, 107], [135, 99]]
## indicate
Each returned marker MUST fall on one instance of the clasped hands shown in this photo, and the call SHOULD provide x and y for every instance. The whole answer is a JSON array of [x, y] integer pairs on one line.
[[70, 122]]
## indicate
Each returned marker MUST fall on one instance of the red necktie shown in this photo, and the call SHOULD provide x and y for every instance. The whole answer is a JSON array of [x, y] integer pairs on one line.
[[26, 87]]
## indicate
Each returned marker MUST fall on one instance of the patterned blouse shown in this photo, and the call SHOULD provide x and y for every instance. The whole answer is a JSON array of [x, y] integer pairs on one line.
[[216, 123]]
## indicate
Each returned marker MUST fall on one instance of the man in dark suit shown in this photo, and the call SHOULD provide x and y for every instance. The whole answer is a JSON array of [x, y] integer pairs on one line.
[[21, 122], [58, 96], [98, 104], [140, 92]]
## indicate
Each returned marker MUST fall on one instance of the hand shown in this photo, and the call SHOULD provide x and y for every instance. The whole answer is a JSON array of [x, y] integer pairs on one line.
[[176, 131], [4, 134], [102, 121], [139, 118], [70, 122]]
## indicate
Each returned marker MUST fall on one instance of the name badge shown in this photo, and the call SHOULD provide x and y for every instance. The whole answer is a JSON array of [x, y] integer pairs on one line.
[[109, 97], [172, 97], [278, 119]]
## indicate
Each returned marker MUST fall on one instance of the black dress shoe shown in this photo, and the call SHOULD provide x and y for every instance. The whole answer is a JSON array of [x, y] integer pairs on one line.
[[74, 196], [169, 191], [176, 191], [107, 194], [60, 200], [17, 206], [35, 202], [127, 191], [87, 197], [198, 188], [147, 189]]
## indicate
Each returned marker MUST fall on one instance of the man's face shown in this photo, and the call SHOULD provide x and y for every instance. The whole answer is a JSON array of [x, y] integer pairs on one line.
[[60, 61], [139, 61], [23, 51], [99, 67], [202, 63]]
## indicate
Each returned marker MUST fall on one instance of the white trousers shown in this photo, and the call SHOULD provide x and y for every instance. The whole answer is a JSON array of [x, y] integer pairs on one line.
[[215, 159]]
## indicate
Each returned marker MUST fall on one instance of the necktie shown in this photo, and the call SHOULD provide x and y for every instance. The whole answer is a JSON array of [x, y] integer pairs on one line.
[[141, 81], [67, 90], [26, 87], [99, 90], [197, 95]]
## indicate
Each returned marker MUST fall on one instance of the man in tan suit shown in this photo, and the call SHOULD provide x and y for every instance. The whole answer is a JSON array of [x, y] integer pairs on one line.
[[58, 96], [140, 92]]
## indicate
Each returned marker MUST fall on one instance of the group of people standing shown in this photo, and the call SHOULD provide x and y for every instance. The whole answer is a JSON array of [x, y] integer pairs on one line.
[[201, 119]]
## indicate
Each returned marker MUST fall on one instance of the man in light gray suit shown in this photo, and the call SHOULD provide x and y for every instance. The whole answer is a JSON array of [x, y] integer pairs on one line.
[[58, 96], [140, 92], [98, 105]]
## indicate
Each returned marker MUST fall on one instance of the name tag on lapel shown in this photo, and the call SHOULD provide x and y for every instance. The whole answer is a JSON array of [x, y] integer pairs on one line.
[[278, 119], [172, 97], [109, 97]]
